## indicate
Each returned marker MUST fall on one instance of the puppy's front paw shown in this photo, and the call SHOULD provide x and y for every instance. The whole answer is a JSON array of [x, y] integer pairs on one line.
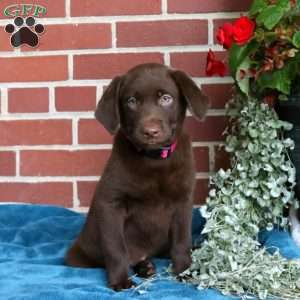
[[122, 285], [181, 263]]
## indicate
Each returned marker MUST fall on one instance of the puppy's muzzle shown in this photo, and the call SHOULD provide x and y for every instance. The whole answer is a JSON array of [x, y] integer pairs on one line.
[[152, 130]]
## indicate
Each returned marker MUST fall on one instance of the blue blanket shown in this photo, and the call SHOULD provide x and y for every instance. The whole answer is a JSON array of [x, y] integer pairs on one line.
[[34, 239]]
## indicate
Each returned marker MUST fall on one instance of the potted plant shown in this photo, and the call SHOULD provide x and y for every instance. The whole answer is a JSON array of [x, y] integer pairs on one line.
[[264, 59], [250, 196]]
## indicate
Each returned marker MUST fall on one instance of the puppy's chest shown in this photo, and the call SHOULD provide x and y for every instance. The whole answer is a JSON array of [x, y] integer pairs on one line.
[[163, 188]]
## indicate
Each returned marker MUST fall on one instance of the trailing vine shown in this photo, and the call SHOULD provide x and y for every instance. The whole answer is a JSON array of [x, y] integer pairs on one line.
[[248, 197]]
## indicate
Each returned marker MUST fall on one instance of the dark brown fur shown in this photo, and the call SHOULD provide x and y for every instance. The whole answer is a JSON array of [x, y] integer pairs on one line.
[[142, 206]]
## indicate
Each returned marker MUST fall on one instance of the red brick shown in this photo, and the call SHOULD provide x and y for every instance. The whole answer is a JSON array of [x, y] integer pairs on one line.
[[106, 66], [197, 6], [35, 132], [5, 40], [161, 33], [38, 68], [219, 94], [210, 129], [201, 156], [201, 191], [92, 132], [193, 63], [28, 100], [58, 193], [114, 7], [75, 36], [222, 159], [86, 191], [7, 163], [63, 163], [75, 98], [54, 8]]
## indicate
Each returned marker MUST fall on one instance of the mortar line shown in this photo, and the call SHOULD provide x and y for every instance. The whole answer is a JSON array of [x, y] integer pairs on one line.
[[67, 115], [80, 147], [114, 35], [68, 8], [210, 32], [4, 102], [167, 58], [86, 147], [164, 7], [101, 82], [71, 179], [70, 66], [75, 131], [99, 92], [46, 179], [52, 108], [114, 50], [18, 165], [76, 201], [136, 18], [66, 83]]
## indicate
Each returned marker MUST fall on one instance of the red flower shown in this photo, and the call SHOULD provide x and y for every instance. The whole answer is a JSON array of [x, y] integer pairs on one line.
[[225, 35], [243, 29], [214, 66]]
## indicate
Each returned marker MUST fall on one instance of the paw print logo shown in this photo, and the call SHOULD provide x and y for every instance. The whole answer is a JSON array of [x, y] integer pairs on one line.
[[24, 32]]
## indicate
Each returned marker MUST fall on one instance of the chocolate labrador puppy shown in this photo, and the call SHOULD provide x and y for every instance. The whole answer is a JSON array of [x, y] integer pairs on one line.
[[143, 203]]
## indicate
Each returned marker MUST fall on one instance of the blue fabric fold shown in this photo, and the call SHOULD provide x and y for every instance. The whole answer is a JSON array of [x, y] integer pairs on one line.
[[33, 242]]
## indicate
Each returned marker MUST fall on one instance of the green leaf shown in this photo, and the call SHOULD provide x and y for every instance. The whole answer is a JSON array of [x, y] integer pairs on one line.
[[284, 4], [270, 16], [296, 39], [253, 132], [286, 126], [275, 192], [282, 97], [278, 80], [257, 7], [237, 54]]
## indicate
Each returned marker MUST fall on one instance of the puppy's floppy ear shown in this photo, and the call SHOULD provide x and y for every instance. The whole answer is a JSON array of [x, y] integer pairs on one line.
[[107, 111], [197, 102]]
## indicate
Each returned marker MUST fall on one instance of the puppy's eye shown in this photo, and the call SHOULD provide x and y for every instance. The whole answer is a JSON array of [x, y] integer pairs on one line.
[[165, 100], [132, 102]]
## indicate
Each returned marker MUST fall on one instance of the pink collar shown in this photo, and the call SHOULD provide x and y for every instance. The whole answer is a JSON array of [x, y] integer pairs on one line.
[[160, 153]]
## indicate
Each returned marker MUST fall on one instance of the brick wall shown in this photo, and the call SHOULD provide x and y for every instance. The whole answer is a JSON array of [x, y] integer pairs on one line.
[[51, 148]]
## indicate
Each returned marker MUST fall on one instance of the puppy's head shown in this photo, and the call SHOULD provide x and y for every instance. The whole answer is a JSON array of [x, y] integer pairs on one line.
[[149, 104]]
